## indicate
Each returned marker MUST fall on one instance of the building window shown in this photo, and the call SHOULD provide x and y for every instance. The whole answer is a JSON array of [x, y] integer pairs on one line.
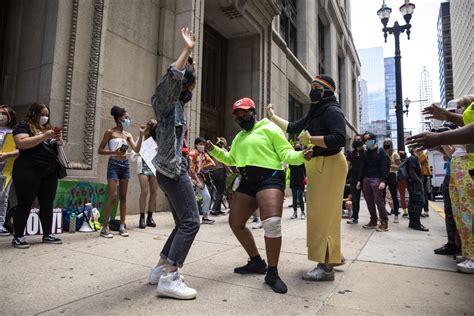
[[288, 25], [295, 112], [321, 47]]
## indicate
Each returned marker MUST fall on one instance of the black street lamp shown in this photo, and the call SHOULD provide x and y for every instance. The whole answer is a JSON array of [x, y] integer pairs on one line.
[[384, 15]]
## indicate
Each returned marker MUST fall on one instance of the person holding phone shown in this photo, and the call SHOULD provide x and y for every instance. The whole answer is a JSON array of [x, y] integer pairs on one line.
[[35, 172], [118, 168]]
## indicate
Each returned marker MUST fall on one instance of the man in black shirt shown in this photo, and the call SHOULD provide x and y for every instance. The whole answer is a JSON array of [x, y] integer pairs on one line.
[[416, 198], [355, 164], [374, 172]]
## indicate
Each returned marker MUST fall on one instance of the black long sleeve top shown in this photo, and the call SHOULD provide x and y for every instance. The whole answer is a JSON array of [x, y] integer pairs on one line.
[[324, 119], [374, 165]]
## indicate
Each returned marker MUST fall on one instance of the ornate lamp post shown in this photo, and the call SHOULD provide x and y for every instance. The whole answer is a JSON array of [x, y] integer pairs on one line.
[[384, 15]]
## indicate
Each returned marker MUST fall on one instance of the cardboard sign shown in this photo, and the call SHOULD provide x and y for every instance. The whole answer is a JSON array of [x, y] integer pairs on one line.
[[33, 226], [77, 193]]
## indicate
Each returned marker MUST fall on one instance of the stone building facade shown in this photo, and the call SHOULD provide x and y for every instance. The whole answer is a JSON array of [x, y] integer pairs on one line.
[[83, 57]]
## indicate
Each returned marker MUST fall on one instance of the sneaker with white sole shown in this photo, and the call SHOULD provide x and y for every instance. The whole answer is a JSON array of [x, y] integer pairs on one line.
[[105, 233], [172, 285], [4, 232], [303, 216], [20, 243], [52, 239], [123, 232], [257, 225], [395, 219], [466, 267], [156, 273]]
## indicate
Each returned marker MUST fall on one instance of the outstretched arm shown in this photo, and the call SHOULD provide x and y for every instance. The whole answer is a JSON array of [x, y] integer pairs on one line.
[[463, 135], [280, 122], [169, 88]]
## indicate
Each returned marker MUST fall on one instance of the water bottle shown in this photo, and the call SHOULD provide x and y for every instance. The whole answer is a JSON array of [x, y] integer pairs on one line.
[[72, 222], [236, 183]]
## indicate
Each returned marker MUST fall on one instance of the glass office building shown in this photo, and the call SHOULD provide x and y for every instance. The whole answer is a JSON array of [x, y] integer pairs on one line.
[[373, 73], [391, 96]]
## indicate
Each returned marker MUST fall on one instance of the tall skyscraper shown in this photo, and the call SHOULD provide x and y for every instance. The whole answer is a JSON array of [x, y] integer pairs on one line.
[[462, 40], [372, 71], [391, 96], [445, 57], [425, 91]]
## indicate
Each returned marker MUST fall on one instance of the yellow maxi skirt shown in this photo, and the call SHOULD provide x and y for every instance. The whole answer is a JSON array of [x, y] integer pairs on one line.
[[326, 181]]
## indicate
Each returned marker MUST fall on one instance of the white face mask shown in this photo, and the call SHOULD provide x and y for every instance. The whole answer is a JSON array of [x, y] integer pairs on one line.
[[43, 120]]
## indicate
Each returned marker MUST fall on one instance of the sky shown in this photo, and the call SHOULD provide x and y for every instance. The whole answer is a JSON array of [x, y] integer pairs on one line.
[[421, 50]]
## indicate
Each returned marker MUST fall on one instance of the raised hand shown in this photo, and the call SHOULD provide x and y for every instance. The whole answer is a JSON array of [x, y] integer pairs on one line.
[[189, 38], [209, 145], [143, 129], [423, 141], [436, 112], [270, 111]]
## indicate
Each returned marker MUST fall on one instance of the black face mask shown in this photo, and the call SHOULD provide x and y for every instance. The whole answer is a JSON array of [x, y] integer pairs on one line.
[[185, 96], [316, 95], [246, 124], [357, 143], [386, 147]]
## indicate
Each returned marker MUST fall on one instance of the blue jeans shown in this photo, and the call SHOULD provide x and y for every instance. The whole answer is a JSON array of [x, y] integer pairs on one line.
[[185, 212], [118, 169], [206, 200], [298, 199]]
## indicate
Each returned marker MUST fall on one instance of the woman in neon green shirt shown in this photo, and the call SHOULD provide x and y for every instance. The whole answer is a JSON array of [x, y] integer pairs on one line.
[[258, 152]]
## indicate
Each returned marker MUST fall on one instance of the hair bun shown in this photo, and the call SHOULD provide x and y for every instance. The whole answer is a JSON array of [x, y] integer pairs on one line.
[[116, 110]]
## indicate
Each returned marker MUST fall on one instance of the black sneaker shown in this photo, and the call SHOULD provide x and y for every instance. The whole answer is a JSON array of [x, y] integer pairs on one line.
[[273, 279], [447, 249], [52, 239], [352, 221], [20, 243], [252, 267]]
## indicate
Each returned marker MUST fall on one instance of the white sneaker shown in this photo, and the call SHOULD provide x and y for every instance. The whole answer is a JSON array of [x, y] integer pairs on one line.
[[466, 267], [4, 232], [257, 225], [172, 285], [395, 219], [303, 216], [105, 233], [156, 273]]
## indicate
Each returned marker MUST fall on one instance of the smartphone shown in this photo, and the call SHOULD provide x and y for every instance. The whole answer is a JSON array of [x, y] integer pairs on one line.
[[124, 147]]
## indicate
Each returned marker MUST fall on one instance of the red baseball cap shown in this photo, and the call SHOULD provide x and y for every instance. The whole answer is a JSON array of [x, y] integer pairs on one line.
[[244, 104]]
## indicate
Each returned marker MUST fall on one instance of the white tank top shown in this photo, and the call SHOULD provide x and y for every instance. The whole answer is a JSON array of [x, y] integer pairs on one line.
[[116, 143]]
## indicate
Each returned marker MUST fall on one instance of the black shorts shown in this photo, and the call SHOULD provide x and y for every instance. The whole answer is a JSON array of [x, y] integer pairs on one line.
[[256, 179]]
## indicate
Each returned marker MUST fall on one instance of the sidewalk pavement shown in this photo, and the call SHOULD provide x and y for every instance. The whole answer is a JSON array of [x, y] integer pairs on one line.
[[393, 273]]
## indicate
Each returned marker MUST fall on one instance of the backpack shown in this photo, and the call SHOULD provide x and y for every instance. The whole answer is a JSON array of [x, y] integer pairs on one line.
[[403, 173]]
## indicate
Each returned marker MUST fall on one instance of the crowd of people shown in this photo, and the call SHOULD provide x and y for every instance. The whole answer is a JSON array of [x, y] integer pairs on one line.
[[321, 177]]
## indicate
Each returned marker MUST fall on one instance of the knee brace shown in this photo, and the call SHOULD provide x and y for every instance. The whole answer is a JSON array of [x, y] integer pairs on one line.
[[272, 227]]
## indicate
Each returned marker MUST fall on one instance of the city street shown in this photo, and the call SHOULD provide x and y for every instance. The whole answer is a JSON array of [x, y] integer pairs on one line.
[[393, 273]]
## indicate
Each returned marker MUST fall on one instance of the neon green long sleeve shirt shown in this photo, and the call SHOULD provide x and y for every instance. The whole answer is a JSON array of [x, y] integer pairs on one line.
[[264, 146]]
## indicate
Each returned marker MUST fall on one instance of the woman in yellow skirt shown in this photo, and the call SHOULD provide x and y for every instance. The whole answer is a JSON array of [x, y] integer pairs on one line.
[[324, 128]]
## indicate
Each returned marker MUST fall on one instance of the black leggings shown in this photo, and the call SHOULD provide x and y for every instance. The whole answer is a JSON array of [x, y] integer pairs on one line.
[[392, 185], [31, 182]]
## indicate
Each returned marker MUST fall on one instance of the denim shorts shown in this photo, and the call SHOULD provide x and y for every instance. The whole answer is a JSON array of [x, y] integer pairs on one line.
[[118, 169], [256, 179]]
